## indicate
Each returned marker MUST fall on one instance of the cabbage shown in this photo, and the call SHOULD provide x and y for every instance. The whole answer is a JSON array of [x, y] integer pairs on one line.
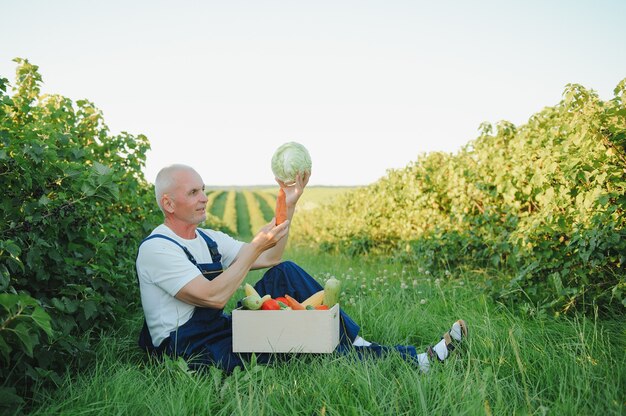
[[290, 159]]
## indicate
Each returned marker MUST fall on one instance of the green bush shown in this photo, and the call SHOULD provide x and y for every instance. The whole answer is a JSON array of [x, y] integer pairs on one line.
[[74, 207], [544, 201]]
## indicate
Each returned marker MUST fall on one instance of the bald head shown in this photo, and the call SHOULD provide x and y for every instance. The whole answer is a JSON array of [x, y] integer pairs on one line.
[[166, 180]]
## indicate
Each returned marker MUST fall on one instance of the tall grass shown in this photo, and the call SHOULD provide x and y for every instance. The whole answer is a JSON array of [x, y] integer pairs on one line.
[[510, 364]]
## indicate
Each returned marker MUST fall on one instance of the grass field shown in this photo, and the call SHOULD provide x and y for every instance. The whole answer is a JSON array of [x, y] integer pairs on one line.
[[510, 364]]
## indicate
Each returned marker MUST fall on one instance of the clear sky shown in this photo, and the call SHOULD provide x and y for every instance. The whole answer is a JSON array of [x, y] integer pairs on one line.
[[365, 85]]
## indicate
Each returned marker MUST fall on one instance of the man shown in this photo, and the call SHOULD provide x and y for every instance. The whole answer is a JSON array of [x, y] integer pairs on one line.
[[187, 275]]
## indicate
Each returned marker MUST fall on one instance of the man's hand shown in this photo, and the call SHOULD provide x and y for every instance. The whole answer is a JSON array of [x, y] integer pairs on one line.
[[273, 239], [293, 192], [270, 235]]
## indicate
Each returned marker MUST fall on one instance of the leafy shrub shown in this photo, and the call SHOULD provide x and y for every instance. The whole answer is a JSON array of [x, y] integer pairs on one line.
[[544, 201], [73, 209]]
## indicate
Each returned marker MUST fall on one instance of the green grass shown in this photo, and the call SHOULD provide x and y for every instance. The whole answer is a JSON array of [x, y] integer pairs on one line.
[[217, 208], [266, 209], [511, 364], [243, 217]]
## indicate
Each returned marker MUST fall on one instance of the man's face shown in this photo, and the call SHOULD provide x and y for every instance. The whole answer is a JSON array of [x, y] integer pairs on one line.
[[188, 198]]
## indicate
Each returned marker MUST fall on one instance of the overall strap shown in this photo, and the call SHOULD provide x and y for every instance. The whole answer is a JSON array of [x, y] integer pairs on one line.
[[212, 245], [215, 254], [187, 252]]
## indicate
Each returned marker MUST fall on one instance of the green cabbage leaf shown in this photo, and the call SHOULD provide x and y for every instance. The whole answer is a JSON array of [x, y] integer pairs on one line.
[[290, 159]]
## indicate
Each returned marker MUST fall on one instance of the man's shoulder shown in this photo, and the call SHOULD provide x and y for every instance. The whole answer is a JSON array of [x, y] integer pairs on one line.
[[215, 234], [161, 235], [159, 229], [218, 236], [211, 233]]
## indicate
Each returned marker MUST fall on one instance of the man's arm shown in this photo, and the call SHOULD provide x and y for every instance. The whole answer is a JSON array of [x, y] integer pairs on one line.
[[216, 293], [293, 193]]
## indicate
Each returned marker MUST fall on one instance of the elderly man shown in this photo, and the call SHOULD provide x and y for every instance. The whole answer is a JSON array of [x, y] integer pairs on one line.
[[187, 275]]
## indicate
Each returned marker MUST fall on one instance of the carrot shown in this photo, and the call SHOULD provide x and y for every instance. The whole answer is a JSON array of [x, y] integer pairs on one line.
[[281, 207], [295, 305]]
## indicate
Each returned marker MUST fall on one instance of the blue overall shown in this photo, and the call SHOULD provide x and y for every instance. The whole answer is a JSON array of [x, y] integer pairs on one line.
[[206, 339]]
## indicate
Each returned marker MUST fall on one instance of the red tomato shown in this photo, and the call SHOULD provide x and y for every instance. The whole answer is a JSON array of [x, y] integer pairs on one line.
[[283, 300], [270, 305]]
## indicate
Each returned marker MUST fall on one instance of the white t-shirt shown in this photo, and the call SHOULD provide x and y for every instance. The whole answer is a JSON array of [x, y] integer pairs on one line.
[[163, 269]]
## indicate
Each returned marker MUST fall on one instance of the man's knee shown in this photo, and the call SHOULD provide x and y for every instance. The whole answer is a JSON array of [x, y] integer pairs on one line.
[[292, 270], [287, 265], [289, 271]]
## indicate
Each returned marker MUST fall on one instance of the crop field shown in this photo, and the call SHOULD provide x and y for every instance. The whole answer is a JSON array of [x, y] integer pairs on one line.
[[243, 211]]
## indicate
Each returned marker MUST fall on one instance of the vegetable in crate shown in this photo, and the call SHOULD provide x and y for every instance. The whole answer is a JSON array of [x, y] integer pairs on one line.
[[271, 305], [314, 300], [294, 304], [290, 159], [331, 292], [252, 302], [250, 290], [283, 300]]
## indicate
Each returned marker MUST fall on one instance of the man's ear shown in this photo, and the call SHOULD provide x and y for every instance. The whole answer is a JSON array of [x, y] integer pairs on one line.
[[168, 204]]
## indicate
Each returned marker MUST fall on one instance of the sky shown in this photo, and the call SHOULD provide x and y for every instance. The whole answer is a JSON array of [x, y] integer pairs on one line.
[[365, 86]]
